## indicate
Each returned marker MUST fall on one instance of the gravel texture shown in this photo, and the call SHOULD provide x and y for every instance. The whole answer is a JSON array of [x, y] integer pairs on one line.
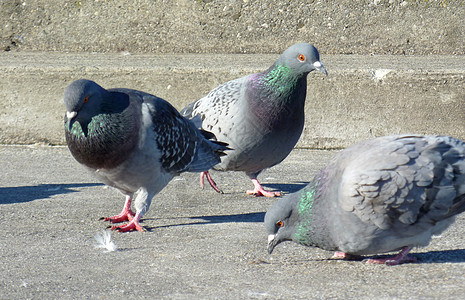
[[411, 27]]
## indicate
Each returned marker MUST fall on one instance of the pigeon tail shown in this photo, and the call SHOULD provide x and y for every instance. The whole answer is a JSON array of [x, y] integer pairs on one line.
[[188, 113], [207, 155], [457, 208]]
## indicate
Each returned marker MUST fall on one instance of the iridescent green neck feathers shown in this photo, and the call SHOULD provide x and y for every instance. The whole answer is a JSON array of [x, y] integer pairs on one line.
[[305, 212], [281, 79]]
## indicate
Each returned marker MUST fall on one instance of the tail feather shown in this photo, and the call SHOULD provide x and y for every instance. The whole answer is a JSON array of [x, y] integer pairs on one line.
[[454, 155], [187, 111], [209, 149], [208, 135], [208, 152], [457, 208], [220, 147]]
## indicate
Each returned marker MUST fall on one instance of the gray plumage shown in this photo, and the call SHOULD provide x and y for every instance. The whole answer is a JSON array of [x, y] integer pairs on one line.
[[260, 116], [133, 141], [377, 196]]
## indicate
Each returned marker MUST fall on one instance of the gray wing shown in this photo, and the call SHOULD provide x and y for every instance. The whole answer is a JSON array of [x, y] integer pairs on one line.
[[182, 146], [405, 178], [219, 109]]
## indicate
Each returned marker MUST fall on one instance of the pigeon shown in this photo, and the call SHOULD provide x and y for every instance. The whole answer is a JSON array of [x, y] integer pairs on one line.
[[386, 194], [260, 116], [133, 141]]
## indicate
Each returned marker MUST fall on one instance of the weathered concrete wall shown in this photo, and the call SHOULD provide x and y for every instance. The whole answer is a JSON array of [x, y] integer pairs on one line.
[[362, 97], [234, 26]]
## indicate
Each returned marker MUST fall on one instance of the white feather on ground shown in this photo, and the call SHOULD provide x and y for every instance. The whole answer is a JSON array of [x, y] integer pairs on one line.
[[104, 241]]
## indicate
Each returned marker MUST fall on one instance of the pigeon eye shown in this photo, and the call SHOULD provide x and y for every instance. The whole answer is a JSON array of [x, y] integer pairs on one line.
[[280, 224], [301, 57], [86, 99]]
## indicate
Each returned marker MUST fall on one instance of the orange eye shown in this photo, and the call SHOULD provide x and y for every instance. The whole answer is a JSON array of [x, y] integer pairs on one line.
[[86, 99], [280, 224], [302, 57]]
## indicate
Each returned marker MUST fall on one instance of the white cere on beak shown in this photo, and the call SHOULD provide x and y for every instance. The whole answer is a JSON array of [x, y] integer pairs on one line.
[[319, 66], [71, 114], [271, 238]]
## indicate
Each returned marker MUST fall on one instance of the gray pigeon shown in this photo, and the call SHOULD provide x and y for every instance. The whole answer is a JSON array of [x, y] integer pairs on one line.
[[260, 116], [133, 141], [385, 194]]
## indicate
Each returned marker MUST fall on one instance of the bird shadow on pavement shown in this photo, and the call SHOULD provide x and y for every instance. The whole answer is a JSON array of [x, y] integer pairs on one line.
[[256, 217], [444, 256], [287, 188], [22, 194], [430, 257]]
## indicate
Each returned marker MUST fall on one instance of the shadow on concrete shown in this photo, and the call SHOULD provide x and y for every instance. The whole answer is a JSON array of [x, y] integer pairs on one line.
[[444, 256], [22, 194], [256, 217], [287, 187], [430, 257]]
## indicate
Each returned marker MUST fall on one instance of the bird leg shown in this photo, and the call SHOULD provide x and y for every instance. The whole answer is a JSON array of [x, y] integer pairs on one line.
[[259, 191], [341, 255], [400, 258], [210, 181], [132, 225], [345, 256], [338, 254], [125, 215]]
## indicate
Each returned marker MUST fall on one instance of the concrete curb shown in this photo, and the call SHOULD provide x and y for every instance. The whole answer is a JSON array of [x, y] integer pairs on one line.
[[363, 96]]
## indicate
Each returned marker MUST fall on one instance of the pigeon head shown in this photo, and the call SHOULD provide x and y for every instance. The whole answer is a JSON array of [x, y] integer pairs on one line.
[[303, 58], [280, 221], [83, 99]]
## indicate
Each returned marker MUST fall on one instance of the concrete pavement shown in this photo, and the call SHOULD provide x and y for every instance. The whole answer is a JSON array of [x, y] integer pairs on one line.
[[199, 244]]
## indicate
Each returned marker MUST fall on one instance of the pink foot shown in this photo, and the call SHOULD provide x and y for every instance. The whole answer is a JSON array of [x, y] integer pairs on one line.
[[400, 258], [133, 225], [343, 255], [125, 215], [210, 181], [259, 191]]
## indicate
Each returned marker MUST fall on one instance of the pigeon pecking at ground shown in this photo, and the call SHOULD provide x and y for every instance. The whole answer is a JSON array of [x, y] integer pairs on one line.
[[385, 194], [260, 116], [133, 141]]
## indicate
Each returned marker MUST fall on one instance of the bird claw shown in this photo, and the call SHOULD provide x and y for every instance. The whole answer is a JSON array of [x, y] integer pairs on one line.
[[345, 256], [210, 181], [122, 217], [262, 192], [340, 255], [400, 258], [391, 261], [131, 226]]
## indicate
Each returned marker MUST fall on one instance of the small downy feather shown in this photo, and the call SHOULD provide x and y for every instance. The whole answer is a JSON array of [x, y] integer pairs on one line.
[[104, 241]]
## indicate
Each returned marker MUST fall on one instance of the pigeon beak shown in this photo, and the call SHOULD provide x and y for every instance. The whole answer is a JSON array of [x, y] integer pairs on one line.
[[272, 242], [71, 115], [319, 66]]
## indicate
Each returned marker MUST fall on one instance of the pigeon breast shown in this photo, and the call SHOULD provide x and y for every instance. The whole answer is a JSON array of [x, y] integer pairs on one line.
[[109, 138]]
